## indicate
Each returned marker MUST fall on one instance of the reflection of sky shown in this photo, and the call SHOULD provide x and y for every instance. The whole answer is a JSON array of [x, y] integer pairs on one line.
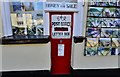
[[38, 5]]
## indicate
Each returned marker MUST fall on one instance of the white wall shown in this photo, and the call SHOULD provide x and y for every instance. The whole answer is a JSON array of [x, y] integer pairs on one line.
[[26, 57]]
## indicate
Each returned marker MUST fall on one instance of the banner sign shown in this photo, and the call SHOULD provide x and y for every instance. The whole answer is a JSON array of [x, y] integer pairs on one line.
[[60, 5]]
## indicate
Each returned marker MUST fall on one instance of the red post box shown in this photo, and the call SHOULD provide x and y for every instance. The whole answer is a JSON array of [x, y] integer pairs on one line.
[[61, 26]]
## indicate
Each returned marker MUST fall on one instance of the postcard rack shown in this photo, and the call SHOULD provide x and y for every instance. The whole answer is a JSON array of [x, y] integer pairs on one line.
[[103, 29]]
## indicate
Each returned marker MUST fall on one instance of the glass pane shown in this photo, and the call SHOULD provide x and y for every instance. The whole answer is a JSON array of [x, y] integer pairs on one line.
[[27, 18]]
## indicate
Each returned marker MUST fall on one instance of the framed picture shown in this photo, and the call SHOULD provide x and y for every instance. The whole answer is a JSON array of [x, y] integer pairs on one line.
[[91, 51], [102, 51]]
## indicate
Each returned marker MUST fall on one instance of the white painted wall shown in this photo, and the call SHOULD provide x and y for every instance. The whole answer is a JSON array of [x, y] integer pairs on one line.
[[26, 57]]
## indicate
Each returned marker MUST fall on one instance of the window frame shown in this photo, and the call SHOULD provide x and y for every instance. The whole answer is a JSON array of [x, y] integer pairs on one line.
[[9, 38]]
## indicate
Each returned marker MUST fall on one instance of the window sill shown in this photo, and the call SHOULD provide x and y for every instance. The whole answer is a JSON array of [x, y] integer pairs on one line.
[[25, 39]]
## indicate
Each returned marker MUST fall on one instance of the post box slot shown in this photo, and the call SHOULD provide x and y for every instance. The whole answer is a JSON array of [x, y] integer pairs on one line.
[[61, 29]]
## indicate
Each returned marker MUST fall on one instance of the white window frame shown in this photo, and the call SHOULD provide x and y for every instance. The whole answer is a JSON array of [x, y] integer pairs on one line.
[[6, 19]]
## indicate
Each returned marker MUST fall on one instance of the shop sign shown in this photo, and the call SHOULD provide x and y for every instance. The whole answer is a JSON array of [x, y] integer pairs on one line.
[[60, 5]]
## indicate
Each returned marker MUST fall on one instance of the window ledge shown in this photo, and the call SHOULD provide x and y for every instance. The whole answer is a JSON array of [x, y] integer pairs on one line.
[[25, 39]]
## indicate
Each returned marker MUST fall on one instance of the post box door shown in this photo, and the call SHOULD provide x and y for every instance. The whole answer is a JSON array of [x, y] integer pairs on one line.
[[61, 25]]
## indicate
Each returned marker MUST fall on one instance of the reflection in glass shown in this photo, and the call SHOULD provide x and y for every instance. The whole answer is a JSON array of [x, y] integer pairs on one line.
[[27, 18]]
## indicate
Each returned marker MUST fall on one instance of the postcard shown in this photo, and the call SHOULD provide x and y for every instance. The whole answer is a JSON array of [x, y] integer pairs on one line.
[[109, 12], [93, 32], [94, 11], [115, 42], [92, 42], [94, 22], [102, 51], [115, 33], [91, 51], [115, 51], [105, 42], [106, 32]]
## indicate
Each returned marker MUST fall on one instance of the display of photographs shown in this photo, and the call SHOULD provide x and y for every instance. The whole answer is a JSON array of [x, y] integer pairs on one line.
[[115, 51], [103, 28], [17, 6], [91, 51], [102, 51], [93, 11], [93, 32], [106, 32], [94, 22], [105, 42], [115, 42], [115, 33], [92, 42], [109, 12]]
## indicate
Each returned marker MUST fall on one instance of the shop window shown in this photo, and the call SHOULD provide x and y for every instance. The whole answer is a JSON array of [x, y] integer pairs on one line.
[[103, 29], [27, 18]]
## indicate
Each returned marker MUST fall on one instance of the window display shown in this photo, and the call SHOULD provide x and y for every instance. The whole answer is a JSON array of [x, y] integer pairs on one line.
[[27, 18], [103, 29]]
